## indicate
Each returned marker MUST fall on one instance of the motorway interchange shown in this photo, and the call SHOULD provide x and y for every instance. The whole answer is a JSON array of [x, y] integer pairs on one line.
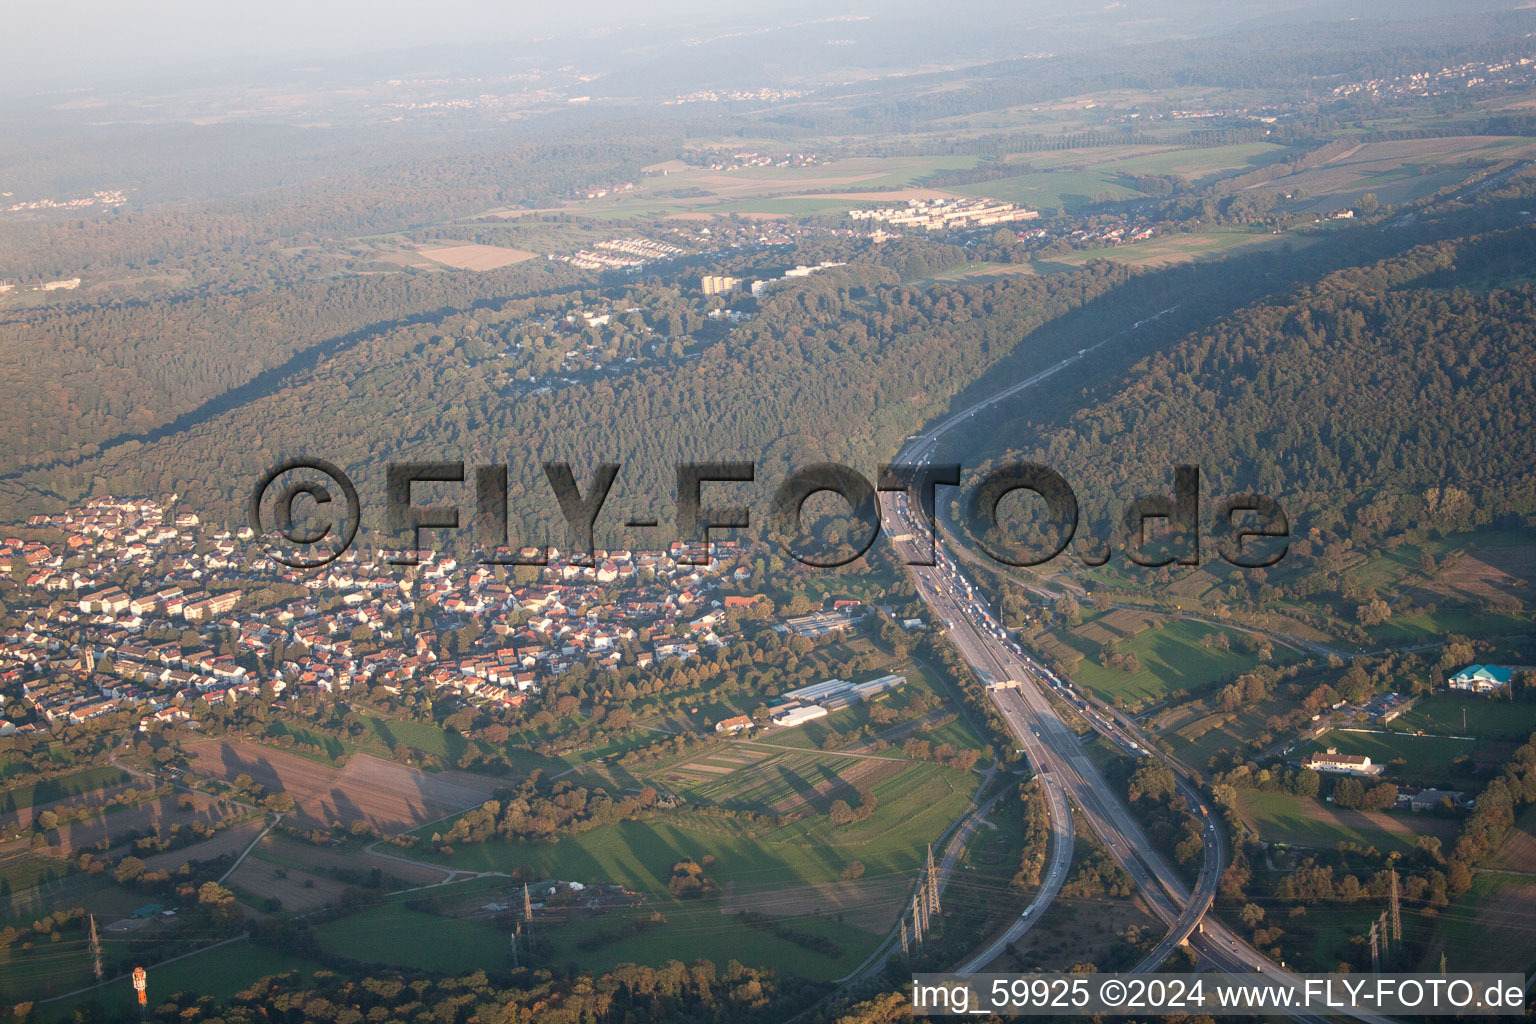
[[1017, 686]]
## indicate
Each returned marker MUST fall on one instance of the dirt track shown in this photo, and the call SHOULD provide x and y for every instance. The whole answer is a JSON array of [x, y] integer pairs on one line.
[[388, 796]]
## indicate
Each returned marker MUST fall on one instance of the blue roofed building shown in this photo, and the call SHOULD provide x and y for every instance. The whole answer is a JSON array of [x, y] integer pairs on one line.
[[1482, 678]]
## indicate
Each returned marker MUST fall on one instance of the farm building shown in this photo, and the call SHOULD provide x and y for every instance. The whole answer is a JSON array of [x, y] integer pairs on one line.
[[1343, 764]]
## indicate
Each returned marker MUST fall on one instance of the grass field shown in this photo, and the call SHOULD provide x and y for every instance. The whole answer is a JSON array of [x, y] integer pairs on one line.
[[1484, 717], [1518, 852], [913, 808], [218, 973], [706, 931], [1427, 759], [229, 969], [48, 968], [1491, 928], [1172, 658], [781, 781], [981, 273], [401, 937], [1303, 821], [1408, 629]]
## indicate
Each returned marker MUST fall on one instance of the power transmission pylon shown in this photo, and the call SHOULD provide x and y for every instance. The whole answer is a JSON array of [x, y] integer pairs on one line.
[[905, 953], [517, 930], [933, 883], [917, 924], [95, 949], [1397, 912], [528, 913], [1375, 948]]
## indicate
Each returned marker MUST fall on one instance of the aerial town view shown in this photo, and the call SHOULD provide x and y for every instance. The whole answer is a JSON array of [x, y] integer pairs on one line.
[[822, 513]]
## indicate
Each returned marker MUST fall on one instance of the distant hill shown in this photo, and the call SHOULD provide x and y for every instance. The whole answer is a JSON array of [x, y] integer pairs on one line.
[[1379, 400]]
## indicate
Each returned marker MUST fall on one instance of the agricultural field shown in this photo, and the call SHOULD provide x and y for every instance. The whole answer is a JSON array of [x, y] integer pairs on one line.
[[1068, 189], [1482, 565], [1204, 161], [1315, 824], [114, 823], [347, 859], [388, 796], [1200, 737], [1431, 627], [1493, 565], [1399, 171], [1072, 179], [470, 256], [48, 967], [257, 882], [1179, 247], [22, 819], [825, 188], [40, 795], [38, 884], [229, 841], [385, 735]]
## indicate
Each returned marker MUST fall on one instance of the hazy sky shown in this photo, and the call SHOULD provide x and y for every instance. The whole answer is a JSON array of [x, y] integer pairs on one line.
[[45, 45], [49, 44]]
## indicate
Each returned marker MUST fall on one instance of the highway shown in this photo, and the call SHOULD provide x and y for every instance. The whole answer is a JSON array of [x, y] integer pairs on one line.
[[1017, 686], [1060, 859]]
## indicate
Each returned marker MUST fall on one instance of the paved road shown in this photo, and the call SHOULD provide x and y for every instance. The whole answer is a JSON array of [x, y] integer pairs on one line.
[[247, 851], [1061, 842], [1017, 686]]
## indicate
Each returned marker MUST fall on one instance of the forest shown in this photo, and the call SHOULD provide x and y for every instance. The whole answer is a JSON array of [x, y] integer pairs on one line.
[[1379, 401], [837, 369]]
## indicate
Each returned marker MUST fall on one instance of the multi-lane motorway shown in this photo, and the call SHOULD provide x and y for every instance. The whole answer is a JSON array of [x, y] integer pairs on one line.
[[1018, 686]]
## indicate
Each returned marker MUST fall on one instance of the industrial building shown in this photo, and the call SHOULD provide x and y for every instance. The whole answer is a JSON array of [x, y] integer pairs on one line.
[[835, 694], [793, 714]]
